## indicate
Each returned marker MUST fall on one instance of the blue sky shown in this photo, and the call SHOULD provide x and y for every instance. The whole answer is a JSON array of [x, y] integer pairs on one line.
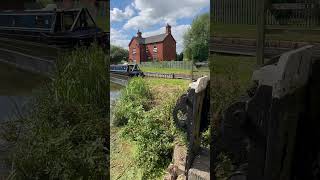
[[151, 16]]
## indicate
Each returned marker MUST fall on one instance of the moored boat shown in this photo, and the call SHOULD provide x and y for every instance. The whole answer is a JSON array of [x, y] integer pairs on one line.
[[56, 27], [130, 70]]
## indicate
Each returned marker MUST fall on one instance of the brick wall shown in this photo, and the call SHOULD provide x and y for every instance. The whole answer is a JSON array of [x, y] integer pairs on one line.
[[166, 51], [134, 44], [169, 48]]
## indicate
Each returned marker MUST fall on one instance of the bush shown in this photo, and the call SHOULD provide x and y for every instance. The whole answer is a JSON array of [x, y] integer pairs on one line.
[[135, 97], [206, 138], [65, 135], [153, 136], [149, 128], [224, 168]]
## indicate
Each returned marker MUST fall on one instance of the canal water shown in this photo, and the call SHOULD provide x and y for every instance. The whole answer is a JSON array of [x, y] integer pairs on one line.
[[114, 95], [16, 88], [114, 92]]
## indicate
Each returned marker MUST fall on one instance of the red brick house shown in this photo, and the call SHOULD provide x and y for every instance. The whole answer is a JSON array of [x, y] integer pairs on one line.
[[161, 47]]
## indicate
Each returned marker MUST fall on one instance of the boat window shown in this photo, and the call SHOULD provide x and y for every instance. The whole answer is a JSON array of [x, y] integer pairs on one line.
[[40, 21], [68, 19], [29, 21], [130, 67]]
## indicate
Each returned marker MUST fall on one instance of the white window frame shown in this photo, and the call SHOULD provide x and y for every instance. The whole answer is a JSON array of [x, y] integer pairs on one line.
[[155, 48]]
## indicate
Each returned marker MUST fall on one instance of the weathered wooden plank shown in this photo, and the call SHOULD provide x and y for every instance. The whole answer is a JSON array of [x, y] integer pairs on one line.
[[199, 89], [261, 32]]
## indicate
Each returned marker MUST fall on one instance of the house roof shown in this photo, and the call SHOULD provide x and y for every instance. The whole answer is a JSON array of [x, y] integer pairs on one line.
[[150, 39], [154, 39], [140, 40]]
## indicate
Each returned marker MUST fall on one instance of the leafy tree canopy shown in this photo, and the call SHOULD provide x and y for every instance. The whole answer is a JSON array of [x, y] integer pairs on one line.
[[118, 54], [196, 39], [179, 57]]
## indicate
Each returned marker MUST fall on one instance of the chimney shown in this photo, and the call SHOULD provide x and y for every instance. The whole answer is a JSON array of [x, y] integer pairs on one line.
[[139, 34], [168, 29]]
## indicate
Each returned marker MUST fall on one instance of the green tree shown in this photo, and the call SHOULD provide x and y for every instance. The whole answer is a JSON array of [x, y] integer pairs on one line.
[[179, 57], [196, 39], [118, 54]]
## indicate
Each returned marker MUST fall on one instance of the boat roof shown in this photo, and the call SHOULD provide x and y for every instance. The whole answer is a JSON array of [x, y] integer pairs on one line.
[[126, 64], [38, 11], [49, 19]]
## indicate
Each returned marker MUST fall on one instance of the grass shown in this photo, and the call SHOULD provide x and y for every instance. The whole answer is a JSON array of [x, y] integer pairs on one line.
[[160, 88], [230, 77], [166, 70], [202, 71], [196, 71], [243, 65], [249, 31], [122, 161], [122, 168], [170, 83]]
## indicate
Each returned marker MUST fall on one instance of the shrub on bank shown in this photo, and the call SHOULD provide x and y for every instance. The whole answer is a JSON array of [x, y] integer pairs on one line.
[[65, 135], [153, 136], [134, 98], [149, 128]]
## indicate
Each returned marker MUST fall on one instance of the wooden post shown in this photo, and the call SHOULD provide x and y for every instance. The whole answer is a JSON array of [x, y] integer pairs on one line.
[[192, 61], [260, 31], [198, 90]]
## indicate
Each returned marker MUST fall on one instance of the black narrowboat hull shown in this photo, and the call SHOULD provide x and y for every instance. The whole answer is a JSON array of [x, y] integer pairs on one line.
[[62, 40]]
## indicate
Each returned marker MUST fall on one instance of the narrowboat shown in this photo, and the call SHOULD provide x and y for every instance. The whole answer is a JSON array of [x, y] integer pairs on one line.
[[130, 70], [61, 28]]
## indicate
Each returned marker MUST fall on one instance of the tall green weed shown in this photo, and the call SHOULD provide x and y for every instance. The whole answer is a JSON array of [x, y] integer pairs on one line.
[[66, 133], [149, 127]]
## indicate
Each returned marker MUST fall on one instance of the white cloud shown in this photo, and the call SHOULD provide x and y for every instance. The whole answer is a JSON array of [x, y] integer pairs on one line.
[[119, 15], [119, 38], [145, 14], [152, 12], [177, 33]]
